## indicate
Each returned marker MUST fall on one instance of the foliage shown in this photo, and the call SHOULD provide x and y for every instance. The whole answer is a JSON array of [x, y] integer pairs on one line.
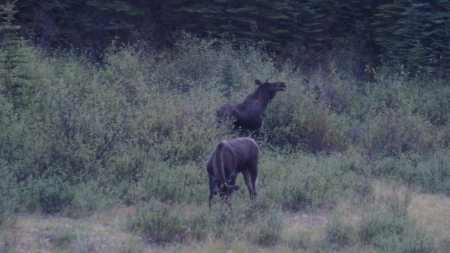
[[406, 32], [158, 223], [268, 230], [7, 192], [431, 173], [417, 33], [391, 229], [11, 55], [136, 132], [339, 233], [54, 195], [303, 182]]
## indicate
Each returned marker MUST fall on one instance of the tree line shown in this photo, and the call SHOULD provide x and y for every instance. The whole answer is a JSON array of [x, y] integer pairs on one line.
[[412, 33]]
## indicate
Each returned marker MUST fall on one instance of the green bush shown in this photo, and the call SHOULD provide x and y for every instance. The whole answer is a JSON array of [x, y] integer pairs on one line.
[[299, 242], [199, 224], [433, 173], [406, 237], [433, 104], [339, 233], [268, 229], [296, 119], [89, 197], [170, 184], [389, 228], [380, 226], [8, 188], [54, 195], [393, 132], [158, 222], [430, 172], [302, 181], [417, 240], [388, 218]]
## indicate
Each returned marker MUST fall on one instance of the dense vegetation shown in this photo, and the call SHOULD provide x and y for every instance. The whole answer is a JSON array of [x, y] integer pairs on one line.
[[78, 137], [402, 32]]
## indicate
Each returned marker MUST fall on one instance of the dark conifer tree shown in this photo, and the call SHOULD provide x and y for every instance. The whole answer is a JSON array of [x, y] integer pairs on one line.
[[415, 34], [11, 54]]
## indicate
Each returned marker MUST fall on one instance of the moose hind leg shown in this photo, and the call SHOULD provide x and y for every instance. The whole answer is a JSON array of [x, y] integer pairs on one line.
[[254, 179], [249, 183]]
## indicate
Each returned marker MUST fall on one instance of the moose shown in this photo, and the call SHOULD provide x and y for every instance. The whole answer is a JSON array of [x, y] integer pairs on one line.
[[228, 158], [248, 115]]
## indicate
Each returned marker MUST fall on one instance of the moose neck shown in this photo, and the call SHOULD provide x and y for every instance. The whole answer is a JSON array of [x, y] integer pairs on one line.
[[263, 97]]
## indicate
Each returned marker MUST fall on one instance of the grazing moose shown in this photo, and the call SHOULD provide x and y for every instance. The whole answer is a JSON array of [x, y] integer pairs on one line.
[[248, 115], [228, 159]]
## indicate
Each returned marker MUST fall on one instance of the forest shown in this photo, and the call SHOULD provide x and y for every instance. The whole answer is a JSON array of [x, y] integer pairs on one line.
[[108, 119], [413, 33]]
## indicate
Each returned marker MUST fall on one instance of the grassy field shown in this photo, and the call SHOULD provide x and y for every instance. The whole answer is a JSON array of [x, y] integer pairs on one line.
[[106, 231]]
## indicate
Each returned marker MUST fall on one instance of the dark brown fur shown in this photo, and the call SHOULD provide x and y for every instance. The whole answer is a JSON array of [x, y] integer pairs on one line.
[[248, 115], [239, 155]]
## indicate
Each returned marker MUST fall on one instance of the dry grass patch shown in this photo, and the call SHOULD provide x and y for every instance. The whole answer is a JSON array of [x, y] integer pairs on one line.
[[311, 223], [99, 233], [432, 212]]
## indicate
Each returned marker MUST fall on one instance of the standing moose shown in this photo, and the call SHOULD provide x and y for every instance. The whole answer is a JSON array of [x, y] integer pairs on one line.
[[248, 114], [228, 159]]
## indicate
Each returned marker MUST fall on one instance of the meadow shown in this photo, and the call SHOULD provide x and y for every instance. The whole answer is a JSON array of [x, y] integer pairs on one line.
[[111, 156]]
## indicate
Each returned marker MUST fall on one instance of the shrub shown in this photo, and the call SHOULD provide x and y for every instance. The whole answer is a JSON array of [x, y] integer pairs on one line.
[[433, 173], [54, 195], [299, 242], [405, 238], [389, 228], [339, 233], [158, 222], [295, 119], [301, 181], [380, 226], [417, 240], [268, 229], [169, 184], [63, 237], [199, 223], [8, 188], [388, 218], [89, 197], [393, 132], [433, 104], [430, 172]]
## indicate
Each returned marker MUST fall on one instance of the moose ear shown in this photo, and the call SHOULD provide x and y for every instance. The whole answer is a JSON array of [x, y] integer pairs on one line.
[[257, 82]]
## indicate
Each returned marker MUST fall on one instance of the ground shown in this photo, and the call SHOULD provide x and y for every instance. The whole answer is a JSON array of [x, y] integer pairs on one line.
[[106, 231]]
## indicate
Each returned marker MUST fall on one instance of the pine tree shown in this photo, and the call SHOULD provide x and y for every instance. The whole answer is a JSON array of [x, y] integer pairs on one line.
[[386, 24], [305, 24], [11, 56], [438, 33], [415, 33], [240, 20]]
